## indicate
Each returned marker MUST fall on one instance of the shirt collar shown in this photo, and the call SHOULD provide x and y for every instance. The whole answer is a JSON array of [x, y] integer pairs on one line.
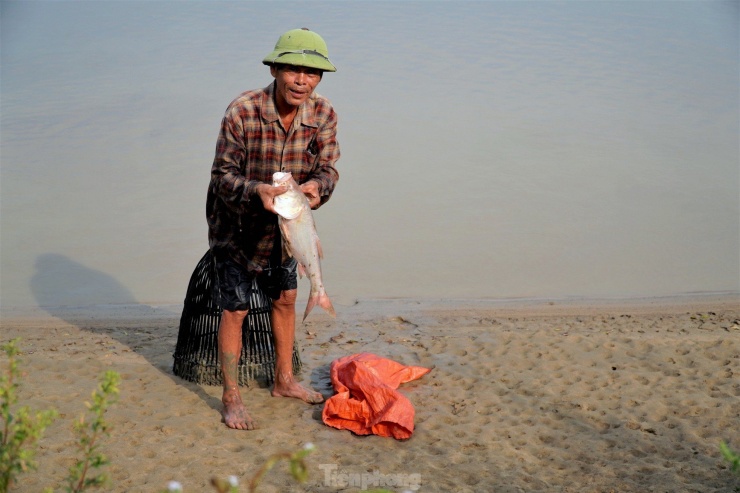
[[305, 115]]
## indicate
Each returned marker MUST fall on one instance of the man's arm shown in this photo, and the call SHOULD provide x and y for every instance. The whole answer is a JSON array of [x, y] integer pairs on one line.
[[227, 180], [320, 183]]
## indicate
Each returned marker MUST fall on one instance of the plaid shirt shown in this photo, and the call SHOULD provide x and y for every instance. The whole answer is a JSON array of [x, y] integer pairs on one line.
[[251, 146]]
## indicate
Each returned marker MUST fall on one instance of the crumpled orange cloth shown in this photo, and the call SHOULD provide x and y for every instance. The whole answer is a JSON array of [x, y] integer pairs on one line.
[[367, 401]]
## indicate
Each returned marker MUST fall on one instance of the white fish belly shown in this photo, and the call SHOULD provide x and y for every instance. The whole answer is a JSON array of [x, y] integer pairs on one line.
[[302, 241]]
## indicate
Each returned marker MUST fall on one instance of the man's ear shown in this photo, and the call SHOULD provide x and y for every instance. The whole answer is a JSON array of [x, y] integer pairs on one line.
[[273, 70]]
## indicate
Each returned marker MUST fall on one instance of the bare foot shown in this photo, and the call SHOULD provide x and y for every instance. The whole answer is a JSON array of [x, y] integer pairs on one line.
[[234, 413], [286, 386]]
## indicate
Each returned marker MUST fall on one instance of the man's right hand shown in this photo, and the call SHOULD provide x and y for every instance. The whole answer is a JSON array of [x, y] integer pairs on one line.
[[267, 193]]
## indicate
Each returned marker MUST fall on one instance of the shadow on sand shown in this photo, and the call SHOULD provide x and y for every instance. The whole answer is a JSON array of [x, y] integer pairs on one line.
[[96, 302]]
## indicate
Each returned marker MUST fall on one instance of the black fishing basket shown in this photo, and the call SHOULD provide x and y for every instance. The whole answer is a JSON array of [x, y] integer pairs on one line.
[[196, 352]]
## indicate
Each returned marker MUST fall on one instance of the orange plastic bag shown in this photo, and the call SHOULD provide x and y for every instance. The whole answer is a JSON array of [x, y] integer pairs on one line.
[[367, 401]]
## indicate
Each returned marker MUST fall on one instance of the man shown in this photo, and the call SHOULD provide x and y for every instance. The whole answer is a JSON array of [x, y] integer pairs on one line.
[[283, 127]]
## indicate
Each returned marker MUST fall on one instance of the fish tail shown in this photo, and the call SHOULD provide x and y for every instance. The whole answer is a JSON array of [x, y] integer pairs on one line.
[[325, 303], [321, 299]]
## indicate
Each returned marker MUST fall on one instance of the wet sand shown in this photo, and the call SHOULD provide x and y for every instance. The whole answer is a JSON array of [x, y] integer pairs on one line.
[[524, 396]]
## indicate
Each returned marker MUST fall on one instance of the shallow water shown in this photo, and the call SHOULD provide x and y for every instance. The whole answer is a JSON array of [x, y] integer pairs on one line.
[[490, 149]]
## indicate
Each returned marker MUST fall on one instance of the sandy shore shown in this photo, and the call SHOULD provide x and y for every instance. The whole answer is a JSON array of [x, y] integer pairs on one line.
[[523, 397]]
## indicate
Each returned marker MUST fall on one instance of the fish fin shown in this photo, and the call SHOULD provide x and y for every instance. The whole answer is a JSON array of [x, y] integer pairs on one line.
[[301, 270], [285, 232], [323, 301], [309, 306], [318, 247]]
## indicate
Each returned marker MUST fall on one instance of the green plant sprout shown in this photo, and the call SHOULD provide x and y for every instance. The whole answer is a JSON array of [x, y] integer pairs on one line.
[[731, 456], [21, 429], [89, 435], [298, 468], [231, 485]]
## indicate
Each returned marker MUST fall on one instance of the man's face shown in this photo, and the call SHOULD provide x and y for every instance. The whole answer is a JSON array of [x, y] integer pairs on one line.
[[294, 84]]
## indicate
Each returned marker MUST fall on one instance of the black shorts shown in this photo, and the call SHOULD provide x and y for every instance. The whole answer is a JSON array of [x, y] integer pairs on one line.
[[234, 283]]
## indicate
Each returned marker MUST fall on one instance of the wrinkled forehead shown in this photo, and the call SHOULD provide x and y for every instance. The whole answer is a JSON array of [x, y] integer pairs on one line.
[[288, 67]]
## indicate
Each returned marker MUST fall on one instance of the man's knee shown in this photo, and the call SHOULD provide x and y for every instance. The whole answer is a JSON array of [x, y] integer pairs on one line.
[[234, 315], [287, 298]]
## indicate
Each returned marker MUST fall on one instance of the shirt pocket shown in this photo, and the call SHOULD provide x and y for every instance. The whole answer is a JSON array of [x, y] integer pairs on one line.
[[311, 154]]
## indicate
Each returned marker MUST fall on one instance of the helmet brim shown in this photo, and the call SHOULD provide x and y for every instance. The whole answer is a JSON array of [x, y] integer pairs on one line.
[[300, 60]]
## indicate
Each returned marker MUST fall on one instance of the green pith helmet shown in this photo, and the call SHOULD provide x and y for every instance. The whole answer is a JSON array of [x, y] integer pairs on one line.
[[302, 48]]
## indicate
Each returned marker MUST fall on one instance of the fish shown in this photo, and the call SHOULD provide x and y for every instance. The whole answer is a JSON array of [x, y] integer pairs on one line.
[[300, 239]]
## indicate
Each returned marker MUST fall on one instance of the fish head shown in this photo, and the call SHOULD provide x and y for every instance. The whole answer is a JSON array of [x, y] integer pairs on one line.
[[280, 178], [289, 204]]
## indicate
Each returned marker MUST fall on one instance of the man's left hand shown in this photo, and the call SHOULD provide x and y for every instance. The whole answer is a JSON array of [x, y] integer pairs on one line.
[[311, 190]]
